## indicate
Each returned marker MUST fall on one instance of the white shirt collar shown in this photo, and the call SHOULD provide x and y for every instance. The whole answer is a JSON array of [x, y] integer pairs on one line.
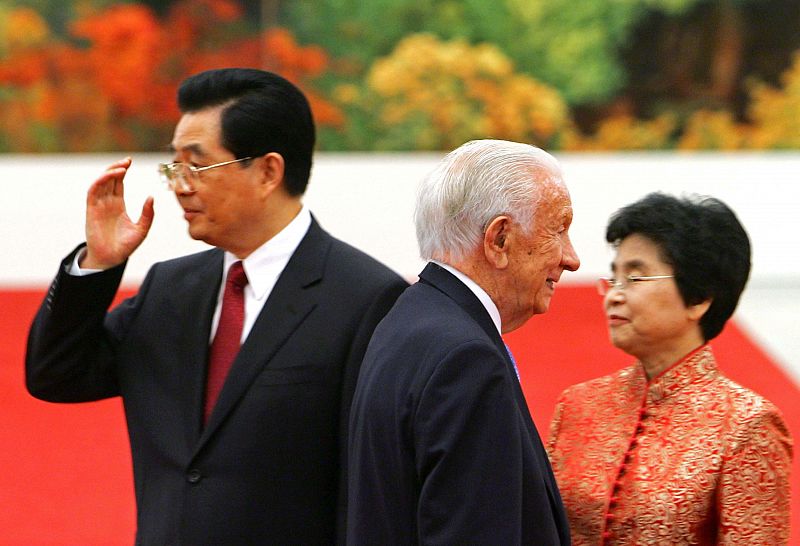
[[479, 292], [265, 264]]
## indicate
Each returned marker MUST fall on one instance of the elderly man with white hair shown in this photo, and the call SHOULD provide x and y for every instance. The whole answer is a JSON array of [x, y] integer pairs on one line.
[[442, 446]]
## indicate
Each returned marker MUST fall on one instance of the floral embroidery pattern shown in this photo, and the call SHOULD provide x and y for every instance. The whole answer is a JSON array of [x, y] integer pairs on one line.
[[688, 458]]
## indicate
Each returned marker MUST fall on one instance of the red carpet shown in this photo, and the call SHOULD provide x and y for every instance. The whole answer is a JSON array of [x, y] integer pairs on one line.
[[65, 473]]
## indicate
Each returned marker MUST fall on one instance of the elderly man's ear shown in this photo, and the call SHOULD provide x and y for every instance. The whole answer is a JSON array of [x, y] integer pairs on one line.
[[497, 241]]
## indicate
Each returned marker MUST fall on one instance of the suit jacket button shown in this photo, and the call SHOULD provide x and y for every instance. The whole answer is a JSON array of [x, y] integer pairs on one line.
[[194, 476]]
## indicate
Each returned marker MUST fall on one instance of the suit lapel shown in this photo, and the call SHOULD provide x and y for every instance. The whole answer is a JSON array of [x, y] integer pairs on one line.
[[289, 303]]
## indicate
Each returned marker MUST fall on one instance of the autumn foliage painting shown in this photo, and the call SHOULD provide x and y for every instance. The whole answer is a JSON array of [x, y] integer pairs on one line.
[[98, 75]]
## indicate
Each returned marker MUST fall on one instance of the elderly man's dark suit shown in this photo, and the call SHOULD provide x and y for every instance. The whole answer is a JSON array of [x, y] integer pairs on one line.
[[266, 467], [442, 446]]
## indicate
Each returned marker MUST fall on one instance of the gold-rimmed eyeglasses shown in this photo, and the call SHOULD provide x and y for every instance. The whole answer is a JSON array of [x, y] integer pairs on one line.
[[183, 177], [605, 284]]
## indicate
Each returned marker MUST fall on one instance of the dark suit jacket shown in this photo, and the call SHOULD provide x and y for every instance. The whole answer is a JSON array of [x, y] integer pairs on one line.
[[266, 468], [442, 446]]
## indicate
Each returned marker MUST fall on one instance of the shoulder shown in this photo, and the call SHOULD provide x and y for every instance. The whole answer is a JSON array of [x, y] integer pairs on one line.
[[424, 311], [188, 262], [600, 387], [344, 257], [741, 402], [426, 323], [424, 331], [749, 414], [340, 261], [356, 280]]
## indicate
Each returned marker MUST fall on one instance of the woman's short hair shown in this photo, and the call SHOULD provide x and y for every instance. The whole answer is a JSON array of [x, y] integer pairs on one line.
[[262, 113], [472, 185], [703, 241]]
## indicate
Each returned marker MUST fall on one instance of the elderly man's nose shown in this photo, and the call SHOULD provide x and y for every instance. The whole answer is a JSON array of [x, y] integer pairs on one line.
[[570, 258]]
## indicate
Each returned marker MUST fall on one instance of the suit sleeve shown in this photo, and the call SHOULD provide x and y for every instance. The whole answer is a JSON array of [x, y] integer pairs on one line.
[[70, 351], [469, 456], [753, 499]]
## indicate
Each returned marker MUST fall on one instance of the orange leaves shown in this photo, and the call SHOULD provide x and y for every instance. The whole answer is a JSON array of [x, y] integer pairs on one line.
[[126, 49], [111, 83], [24, 69], [196, 25], [23, 34], [282, 54], [224, 11]]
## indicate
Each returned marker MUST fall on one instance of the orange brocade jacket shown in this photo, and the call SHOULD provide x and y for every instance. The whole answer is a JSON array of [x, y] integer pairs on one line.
[[687, 458]]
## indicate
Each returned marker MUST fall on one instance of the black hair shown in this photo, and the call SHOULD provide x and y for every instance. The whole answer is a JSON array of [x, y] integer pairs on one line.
[[703, 241], [262, 113]]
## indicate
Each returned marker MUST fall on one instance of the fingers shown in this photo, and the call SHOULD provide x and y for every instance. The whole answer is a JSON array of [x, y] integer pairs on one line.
[[125, 162], [117, 188], [116, 174], [110, 183], [107, 185], [146, 218]]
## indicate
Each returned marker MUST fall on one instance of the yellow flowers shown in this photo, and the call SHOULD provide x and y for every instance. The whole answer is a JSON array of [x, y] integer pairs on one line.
[[714, 130], [776, 112], [445, 93], [22, 27], [624, 132]]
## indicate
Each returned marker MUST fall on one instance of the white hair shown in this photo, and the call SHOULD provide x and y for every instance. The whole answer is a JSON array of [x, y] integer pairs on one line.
[[474, 184]]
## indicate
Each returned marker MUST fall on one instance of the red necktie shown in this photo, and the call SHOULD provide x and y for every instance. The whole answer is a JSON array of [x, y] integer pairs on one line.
[[228, 337]]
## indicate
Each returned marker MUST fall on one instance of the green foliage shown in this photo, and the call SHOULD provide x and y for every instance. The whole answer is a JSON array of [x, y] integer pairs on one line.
[[575, 45], [571, 45], [671, 7], [358, 32]]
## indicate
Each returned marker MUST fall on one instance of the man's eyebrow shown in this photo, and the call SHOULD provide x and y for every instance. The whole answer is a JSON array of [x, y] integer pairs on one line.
[[194, 148]]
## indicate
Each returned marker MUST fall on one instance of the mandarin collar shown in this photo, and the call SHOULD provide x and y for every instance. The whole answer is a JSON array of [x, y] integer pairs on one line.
[[697, 367]]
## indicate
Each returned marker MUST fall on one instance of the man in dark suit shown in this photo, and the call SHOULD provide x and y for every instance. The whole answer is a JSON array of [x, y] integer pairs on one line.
[[251, 451], [442, 446]]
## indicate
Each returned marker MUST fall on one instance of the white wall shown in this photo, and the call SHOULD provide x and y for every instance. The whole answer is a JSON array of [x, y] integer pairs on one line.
[[368, 200]]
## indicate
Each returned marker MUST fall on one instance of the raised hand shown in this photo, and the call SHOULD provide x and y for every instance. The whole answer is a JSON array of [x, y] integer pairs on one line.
[[111, 236]]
